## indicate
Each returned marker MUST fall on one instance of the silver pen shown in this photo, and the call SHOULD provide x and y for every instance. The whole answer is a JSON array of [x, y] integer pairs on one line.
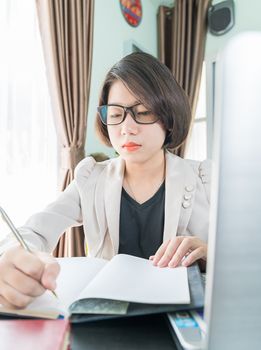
[[17, 235]]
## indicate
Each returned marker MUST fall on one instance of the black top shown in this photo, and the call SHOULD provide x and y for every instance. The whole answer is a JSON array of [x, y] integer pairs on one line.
[[141, 225]]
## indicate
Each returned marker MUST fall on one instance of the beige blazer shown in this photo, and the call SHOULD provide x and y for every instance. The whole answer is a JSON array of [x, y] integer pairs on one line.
[[93, 199]]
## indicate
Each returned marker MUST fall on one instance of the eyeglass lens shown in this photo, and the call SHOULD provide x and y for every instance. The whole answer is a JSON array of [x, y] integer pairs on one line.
[[113, 114]]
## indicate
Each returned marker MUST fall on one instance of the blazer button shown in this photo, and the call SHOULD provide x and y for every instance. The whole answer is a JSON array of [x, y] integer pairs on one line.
[[187, 196], [186, 204], [189, 188]]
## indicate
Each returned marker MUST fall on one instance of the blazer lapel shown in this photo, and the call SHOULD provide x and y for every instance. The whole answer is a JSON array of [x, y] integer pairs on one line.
[[176, 176], [175, 181], [112, 198]]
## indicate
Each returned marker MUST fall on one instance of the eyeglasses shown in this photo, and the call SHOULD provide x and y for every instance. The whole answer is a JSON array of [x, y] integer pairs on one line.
[[115, 114]]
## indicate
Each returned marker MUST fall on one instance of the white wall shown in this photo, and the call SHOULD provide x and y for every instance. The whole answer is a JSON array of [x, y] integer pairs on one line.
[[112, 35], [247, 17]]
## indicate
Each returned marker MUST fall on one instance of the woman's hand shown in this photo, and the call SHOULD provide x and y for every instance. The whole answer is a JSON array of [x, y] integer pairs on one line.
[[24, 276], [183, 250]]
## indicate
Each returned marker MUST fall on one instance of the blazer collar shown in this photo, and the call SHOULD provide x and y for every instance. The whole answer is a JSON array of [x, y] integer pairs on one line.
[[112, 197]]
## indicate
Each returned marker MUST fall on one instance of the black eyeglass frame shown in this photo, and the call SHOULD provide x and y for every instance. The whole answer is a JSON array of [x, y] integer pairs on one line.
[[126, 110]]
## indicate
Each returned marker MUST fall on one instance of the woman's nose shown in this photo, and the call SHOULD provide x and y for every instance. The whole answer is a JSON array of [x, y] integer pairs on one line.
[[129, 126]]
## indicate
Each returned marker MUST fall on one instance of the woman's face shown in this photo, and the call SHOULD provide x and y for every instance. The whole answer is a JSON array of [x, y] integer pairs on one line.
[[135, 142]]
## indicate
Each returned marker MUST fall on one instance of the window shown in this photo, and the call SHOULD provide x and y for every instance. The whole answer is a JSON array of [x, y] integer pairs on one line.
[[197, 148], [28, 150]]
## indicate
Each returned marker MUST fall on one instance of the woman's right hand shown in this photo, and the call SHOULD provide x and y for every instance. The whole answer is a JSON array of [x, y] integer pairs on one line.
[[25, 275]]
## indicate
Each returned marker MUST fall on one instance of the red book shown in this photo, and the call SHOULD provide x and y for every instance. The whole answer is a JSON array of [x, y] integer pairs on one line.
[[34, 334]]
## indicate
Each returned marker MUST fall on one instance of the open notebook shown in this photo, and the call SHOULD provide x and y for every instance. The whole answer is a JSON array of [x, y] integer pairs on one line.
[[97, 286]]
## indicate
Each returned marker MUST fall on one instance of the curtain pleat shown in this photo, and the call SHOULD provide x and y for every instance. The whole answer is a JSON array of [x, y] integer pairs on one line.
[[66, 29], [182, 35]]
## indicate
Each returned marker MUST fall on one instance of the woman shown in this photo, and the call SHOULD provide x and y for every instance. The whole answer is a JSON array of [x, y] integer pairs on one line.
[[146, 202]]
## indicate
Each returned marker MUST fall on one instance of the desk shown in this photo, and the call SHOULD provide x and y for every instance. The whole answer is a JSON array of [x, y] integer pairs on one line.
[[145, 332]]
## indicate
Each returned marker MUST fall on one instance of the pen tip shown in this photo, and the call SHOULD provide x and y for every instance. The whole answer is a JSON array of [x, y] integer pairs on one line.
[[53, 292]]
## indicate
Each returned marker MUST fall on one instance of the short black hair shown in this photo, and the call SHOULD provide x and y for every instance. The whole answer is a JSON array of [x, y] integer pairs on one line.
[[153, 84]]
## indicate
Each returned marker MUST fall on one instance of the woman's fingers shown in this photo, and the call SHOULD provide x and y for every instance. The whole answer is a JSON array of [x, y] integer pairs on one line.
[[190, 249], [26, 262], [13, 298], [171, 249], [186, 245], [5, 303], [160, 252], [199, 253], [25, 275], [51, 271], [172, 252], [24, 284]]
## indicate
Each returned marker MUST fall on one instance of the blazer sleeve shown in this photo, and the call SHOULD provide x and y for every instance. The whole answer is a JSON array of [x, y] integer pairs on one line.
[[43, 230], [198, 224]]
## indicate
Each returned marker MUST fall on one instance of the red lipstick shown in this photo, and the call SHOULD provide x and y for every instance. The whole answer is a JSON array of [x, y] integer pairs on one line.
[[131, 146]]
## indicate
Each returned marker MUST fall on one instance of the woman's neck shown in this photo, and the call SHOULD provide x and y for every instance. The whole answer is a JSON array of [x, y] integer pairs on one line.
[[142, 180], [153, 168]]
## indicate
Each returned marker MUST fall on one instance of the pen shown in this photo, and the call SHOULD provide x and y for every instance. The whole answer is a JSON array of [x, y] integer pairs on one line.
[[17, 235]]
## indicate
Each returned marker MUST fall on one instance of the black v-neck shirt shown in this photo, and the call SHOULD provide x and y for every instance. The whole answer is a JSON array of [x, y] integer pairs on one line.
[[141, 225]]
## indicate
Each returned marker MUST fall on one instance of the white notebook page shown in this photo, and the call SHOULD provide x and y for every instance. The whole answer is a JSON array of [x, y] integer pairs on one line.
[[129, 278]]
